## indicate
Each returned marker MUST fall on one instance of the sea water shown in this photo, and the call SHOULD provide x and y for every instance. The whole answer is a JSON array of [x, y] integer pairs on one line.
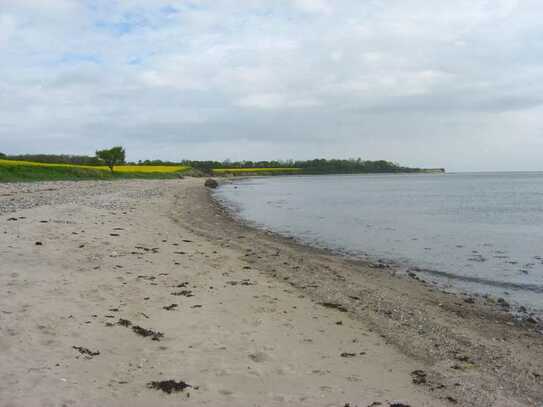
[[474, 232]]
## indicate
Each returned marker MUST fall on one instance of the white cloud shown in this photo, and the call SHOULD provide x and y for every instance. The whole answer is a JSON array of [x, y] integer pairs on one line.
[[7, 28], [314, 6], [276, 101], [264, 101]]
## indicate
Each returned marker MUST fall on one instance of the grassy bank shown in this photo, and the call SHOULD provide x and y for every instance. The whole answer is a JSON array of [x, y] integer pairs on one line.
[[22, 171]]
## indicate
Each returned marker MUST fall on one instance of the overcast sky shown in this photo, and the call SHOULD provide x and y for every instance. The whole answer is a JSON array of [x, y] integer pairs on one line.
[[455, 84]]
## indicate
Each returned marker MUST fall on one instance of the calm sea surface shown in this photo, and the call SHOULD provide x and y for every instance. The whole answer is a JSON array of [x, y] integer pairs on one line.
[[477, 232]]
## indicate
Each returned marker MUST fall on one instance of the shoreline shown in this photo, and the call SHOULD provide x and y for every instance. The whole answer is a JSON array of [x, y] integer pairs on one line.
[[266, 321], [447, 340], [433, 277]]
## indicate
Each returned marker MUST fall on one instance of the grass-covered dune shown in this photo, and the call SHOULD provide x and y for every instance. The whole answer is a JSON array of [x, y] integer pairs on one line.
[[17, 171]]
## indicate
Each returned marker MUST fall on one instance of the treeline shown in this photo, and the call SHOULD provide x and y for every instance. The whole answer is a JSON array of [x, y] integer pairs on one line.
[[316, 166], [54, 158], [73, 159], [209, 165], [323, 166]]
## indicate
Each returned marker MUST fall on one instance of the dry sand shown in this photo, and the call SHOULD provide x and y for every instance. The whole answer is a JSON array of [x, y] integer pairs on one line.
[[246, 324]]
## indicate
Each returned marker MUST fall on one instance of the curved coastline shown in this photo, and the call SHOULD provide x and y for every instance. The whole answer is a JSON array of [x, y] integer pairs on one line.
[[446, 280], [435, 327], [268, 319]]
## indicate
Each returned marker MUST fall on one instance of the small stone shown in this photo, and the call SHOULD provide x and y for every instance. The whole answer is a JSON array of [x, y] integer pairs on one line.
[[418, 376]]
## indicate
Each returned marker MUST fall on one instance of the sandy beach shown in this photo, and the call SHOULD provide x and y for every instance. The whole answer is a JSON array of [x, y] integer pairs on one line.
[[108, 287]]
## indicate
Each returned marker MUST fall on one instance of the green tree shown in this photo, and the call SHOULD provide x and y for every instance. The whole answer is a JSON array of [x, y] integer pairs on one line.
[[112, 157], [2, 155]]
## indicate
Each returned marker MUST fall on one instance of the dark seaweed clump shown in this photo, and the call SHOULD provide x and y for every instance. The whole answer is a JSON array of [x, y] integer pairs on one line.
[[169, 386], [85, 351], [155, 336], [124, 322], [185, 293]]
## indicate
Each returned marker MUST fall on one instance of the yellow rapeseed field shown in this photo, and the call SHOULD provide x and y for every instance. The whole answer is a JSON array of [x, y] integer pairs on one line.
[[119, 168], [149, 168]]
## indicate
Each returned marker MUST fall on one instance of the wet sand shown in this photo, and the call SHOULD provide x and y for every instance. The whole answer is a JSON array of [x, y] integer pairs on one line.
[[110, 288]]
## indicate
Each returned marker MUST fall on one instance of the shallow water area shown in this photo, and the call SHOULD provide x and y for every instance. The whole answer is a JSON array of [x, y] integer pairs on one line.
[[475, 232]]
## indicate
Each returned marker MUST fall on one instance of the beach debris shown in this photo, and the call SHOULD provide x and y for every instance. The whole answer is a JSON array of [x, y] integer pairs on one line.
[[87, 352], [169, 386], [462, 358], [398, 404], [348, 355], [259, 357], [146, 249], [38, 244], [182, 285], [155, 335], [185, 293], [503, 303], [418, 376], [245, 282], [211, 183], [124, 322], [379, 265], [170, 307], [144, 277], [451, 400], [197, 306], [339, 307]]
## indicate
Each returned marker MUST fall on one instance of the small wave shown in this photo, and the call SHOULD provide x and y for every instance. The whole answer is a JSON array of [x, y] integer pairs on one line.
[[484, 281]]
